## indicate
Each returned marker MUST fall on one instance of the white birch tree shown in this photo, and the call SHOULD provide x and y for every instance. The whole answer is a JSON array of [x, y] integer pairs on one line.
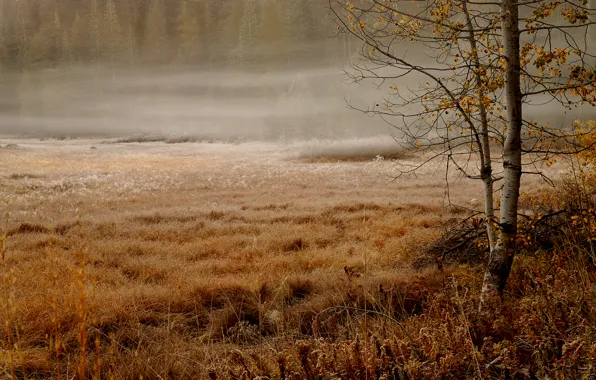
[[459, 75]]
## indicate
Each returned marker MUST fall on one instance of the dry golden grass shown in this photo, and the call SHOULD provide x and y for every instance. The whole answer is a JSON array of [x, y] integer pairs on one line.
[[160, 260]]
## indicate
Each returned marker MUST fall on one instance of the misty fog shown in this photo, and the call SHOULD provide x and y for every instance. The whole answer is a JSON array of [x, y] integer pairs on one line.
[[197, 103], [181, 69], [189, 70]]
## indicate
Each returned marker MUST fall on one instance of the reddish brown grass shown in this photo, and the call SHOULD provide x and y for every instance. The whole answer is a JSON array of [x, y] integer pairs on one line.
[[199, 262]]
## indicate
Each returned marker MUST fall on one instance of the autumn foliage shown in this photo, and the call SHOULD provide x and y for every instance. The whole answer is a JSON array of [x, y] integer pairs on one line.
[[344, 290], [544, 329]]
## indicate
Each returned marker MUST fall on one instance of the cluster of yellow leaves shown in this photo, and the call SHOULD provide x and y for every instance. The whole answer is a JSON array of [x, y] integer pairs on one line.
[[375, 22], [576, 15], [586, 132], [541, 12], [545, 57], [582, 83], [443, 10]]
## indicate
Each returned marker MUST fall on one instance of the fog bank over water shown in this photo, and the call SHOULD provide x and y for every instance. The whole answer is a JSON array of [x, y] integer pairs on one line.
[[224, 69], [190, 70], [269, 105], [195, 104]]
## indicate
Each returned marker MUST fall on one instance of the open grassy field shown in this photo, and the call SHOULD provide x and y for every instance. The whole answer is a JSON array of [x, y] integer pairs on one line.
[[164, 260]]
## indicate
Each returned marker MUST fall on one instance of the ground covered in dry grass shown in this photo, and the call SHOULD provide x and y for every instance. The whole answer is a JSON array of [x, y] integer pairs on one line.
[[213, 260]]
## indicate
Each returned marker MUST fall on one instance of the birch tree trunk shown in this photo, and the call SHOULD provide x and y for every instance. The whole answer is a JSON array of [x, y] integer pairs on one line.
[[501, 256], [486, 172]]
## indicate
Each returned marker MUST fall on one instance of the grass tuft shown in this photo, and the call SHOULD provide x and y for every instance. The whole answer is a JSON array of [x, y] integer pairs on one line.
[[28, 228], [356, 150]]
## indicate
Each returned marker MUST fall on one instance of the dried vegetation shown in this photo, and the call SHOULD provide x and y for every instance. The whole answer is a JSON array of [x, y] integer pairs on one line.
[[186, 261]]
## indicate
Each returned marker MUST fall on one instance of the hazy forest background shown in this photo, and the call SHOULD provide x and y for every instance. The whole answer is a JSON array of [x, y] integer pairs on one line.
[[266, 69]]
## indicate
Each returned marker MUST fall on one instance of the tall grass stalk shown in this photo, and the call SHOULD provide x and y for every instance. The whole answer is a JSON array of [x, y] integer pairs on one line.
[[7, 300], [82, 314]]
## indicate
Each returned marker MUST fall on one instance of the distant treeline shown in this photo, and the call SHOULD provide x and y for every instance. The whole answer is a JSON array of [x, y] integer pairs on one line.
[[235, 33], [72, 67]]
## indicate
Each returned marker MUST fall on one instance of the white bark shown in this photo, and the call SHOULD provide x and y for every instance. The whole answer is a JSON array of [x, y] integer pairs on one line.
[[501, 256], [485, 154]]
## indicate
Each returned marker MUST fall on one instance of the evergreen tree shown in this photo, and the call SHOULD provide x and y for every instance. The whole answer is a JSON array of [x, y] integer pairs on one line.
[[244, 53], [208, 32], [154, 44], [37, 49], [188, 32], [66, 55], [271, 34], [291, 11], [229, 13], [79, 38], [112, 39], [2, 52], [131, 46], [94, 17]]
